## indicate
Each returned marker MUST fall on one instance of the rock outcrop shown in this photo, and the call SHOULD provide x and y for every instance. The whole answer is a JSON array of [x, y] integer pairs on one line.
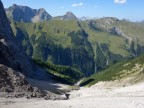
[[13, 83], [11, 52]]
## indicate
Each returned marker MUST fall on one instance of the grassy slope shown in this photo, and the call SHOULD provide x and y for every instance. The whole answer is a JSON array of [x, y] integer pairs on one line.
[[57, 31], [118, 71], [115, 42], [131, 29], [64, 74]]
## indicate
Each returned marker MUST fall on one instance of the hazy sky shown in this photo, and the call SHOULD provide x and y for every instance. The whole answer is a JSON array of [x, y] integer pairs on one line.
[[128, 9]]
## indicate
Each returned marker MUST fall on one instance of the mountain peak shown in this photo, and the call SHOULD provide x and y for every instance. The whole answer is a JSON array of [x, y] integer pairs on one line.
[[42, 9], [14, 5], [27, 14], [69, 15]]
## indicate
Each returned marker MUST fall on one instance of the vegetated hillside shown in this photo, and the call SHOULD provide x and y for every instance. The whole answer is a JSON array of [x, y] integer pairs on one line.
[[58, 42], [126, 69], [89, 45], [63, 74]]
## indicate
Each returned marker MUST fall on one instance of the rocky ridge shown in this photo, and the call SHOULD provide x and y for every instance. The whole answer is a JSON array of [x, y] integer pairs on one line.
[[11, 52], [26, 14]]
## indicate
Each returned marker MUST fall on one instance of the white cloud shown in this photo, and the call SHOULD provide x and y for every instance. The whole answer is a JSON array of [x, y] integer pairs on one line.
[[77, 4], [120, 1]]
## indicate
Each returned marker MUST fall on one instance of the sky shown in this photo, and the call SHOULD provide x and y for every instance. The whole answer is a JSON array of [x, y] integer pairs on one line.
[[122, 9]]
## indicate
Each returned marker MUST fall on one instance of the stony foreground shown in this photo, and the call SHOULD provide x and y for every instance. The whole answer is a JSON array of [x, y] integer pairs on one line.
[[93, 97]]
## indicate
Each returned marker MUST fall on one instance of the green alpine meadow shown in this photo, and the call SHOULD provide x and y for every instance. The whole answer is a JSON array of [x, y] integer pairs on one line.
[[89, 46]]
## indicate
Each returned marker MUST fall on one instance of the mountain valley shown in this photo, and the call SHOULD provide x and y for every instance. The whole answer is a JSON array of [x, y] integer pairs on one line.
[[78, 62], [89, 45]]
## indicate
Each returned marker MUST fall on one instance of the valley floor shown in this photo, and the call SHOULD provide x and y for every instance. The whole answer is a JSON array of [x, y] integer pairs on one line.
[[97, 96]]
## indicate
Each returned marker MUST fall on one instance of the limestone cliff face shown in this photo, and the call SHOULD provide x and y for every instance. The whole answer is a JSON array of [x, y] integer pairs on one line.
[[12, 53]]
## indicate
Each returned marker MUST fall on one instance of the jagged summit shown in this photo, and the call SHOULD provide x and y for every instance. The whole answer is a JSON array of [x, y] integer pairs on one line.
[[14, 5], [69, 15], [26, 14]]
